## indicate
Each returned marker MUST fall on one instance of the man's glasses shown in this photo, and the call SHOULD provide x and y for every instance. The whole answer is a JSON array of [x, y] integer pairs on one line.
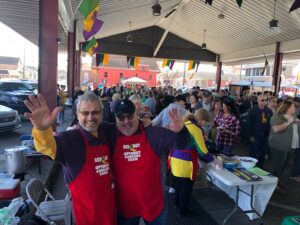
[[123, 117], [87, 113], [264, 100]]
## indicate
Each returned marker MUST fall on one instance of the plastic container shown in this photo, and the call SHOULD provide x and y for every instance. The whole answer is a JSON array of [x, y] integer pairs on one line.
[[248, 162], [9, 188]]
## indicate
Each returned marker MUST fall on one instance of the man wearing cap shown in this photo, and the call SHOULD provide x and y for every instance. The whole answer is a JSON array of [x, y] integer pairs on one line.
[[85, 155], [136, 164], [206, 102], [163, 118]]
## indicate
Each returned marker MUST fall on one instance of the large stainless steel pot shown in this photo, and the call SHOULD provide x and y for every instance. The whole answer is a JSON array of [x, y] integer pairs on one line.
[[15, 159]]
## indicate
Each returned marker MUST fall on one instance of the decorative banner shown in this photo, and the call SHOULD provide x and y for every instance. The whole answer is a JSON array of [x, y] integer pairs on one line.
[[105, 61], [239, 2], [89, 10], [164, 63], [91, 47], [295, 5], [88, 7], [193, 65], [133, 61], [97, 24], [265, 67], [209, 2], [102, 59], [171, 64]]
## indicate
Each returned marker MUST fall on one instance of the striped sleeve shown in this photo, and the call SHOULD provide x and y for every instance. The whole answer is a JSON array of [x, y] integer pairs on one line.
[[198, 141], [44, 142]]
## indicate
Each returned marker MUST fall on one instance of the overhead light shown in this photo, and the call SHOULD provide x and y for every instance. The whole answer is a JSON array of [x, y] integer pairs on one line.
[[58, 40], [273, 24], [203, 46], [221, 16], [129, 37], [156, 8]]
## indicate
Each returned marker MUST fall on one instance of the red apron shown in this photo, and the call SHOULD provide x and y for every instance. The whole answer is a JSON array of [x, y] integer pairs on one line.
[[138, 177], [92, 191]]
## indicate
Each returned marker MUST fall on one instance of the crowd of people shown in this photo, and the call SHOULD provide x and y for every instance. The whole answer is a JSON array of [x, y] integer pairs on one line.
[[121, 136]]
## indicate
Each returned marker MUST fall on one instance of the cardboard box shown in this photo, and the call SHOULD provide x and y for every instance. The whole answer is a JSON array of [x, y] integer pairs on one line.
[[9, 189]]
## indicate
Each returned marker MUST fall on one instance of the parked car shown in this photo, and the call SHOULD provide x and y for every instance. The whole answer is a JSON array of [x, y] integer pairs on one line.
[[13, 94], [9, 119]]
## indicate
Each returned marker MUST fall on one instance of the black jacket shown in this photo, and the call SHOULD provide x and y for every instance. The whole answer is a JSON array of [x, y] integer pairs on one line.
[[254, 122]]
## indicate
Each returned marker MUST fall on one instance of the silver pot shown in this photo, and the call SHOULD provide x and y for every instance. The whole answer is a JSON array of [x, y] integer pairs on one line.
[[15, 159]]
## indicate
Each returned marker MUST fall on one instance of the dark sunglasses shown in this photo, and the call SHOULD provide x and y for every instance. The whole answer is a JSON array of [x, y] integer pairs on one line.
[[124, 116], [93, 113]]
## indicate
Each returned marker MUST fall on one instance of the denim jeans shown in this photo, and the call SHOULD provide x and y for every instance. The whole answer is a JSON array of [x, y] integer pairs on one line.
[[161, 219], [258, 149]]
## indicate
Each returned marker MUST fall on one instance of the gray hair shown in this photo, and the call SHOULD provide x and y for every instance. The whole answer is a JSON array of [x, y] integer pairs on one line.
[[89, 96], [116, 97]]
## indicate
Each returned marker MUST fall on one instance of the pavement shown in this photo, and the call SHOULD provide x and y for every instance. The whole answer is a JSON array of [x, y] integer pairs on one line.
[[213, 200]]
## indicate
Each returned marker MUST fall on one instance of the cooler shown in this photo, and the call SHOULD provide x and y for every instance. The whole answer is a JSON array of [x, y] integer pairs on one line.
[[9, 188], [291, 220]]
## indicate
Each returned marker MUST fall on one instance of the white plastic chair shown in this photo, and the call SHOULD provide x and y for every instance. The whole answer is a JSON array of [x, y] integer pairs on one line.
[[49, 209]]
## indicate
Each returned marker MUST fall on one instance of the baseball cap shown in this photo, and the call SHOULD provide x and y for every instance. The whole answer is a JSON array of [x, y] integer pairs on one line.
[[206, 93], [124, 106], [180, 97]]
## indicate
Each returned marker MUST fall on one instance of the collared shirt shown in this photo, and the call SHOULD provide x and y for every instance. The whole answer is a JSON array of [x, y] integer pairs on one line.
[[228, 129]]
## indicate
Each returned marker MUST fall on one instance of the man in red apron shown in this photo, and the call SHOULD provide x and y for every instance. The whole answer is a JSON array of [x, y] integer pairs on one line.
[[137, 166], [85, 155]]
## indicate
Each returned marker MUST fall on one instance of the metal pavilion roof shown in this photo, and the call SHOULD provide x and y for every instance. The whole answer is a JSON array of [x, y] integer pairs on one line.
[[243, 33]]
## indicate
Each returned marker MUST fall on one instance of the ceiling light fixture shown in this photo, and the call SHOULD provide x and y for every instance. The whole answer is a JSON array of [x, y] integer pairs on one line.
[[204, 44], [129, 37], [273, 23], [156, 8], [221, 16]]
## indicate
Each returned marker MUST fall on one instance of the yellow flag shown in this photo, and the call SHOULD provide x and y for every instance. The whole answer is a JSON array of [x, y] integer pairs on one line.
[[164, 64], [105, 60], [190, 65], [136, 61]]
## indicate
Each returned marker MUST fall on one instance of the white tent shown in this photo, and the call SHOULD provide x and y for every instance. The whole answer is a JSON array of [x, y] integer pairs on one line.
[[134, 80]]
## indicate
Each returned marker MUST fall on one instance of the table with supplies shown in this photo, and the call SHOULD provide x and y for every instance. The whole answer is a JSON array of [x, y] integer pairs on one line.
[[251, 194]]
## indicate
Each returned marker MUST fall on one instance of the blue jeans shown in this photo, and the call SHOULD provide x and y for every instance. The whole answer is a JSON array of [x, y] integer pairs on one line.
[[161, 219], [258, 149]]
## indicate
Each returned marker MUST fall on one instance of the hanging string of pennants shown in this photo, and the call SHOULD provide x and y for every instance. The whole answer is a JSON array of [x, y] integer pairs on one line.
[[133, 61], [194, 65], [102, 59], [169, 63], [91, 24]]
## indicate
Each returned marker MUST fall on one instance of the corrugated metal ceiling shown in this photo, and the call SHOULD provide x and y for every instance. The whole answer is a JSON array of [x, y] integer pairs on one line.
[[242, 28]]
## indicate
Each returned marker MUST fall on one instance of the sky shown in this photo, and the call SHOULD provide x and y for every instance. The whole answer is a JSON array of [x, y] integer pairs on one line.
[[14, 45]]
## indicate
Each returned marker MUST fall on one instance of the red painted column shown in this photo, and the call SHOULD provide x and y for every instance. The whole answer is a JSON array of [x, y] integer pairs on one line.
[[78, 67], [71, 62], [218, 74], [277, 69], [48, 21]]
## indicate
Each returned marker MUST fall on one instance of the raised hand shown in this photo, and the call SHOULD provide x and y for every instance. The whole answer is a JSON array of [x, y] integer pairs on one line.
[[177, 122], [40, 115]]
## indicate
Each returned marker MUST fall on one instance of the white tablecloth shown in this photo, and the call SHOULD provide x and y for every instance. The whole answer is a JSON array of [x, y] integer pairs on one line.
[[228, 182]]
